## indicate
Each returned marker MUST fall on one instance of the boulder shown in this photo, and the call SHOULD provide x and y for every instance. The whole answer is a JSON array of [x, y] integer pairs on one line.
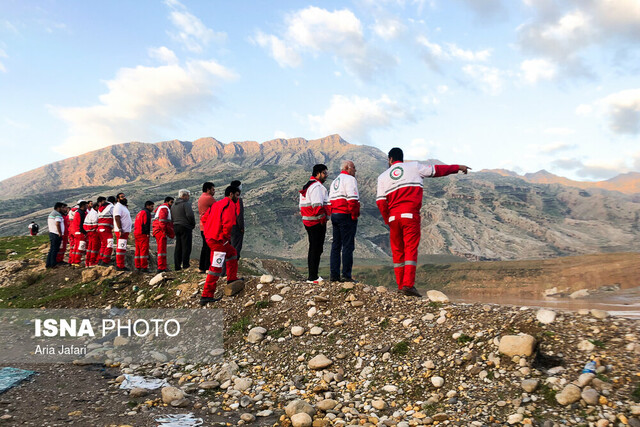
[[546, 316], [299, 406], [591, 396], [599, 314], [529, 385], [570, 394], [437, 296], [242, 384], [296, 331], [89, 275], [320, 362], [301, 420], [256, 335], [156, 279], [266, 278], [582, 293], [169, 394], [517, 345], [234, 288]]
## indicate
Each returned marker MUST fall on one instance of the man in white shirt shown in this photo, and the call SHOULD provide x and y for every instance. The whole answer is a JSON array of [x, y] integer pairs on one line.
[[55, 224], [122, 225]]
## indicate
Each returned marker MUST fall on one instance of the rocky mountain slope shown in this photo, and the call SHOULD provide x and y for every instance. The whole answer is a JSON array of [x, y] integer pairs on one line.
[[480, 216]]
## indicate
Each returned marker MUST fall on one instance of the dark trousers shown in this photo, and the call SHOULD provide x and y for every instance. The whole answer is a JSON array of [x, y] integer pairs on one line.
[[316, 241], [205, 254], [56, 241], [236, 239], [344, 234], [183, 246]]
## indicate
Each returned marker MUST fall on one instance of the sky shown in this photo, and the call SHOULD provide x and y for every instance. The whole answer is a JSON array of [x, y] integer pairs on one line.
[[521, 85]]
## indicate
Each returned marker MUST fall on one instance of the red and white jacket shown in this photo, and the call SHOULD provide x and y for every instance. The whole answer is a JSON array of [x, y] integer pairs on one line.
[[76, 226], [91, 221], [71, 215], [400, 188], [221, 218], [162, 222], [343, 195], [314, 203], [105, 216]]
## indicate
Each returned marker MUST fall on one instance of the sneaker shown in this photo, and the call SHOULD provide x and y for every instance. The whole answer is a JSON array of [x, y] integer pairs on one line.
[[410, 292], [206, 300], [318, 280]]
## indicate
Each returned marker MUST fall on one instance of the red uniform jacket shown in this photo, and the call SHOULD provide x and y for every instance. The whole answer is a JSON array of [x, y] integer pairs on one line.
[[162, 222], [142, 225], [220, 219], [78, 221]]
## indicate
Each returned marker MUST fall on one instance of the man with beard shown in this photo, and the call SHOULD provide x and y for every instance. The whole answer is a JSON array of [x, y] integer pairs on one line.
[[93, 240], [314, 207], [205, 201], [184, 221], [122, 225], [105, 229], [80, 234]]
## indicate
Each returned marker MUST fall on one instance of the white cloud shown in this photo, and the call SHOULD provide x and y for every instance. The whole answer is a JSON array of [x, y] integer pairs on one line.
[[3, 54], [420, 149], [489, 79], [280, 134], [139, 101], [623, 110], [191, 31], [559, 131], [285, 56], [163, 54], [592, 169], [562, 30], [552, 147], [584, 110], [316, 31], [535, 70], [355, 117], [434, 54], [389, 28]]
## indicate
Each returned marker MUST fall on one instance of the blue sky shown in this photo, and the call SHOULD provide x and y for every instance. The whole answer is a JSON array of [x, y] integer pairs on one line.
[[522, 85]]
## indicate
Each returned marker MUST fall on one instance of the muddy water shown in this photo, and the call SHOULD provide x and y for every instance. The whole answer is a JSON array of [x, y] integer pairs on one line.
[[622, 303]]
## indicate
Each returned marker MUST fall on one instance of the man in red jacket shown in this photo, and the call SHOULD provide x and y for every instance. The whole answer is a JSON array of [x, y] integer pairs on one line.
[[105, 229], [93, 240], [141, 233], [163, 228], [80, 234], [399, 200], [315, 208], [220, 220]]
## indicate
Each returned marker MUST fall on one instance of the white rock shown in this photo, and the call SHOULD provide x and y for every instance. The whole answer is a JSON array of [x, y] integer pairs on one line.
[[568, 395], [591, 396], [407, 322], [296, 331], [156, 279], [441, 320], [546, 316], [326, 404], [299, 406], [586, 345], [265, 413], [635, 409], [437, 296], [437, 381], [319, 362], [428, 317], [550, 291], [585, 379], [381, 289], [276, 298], [599, 314], [266, 278], [301, 420], [316, 330], [256, 335], [429, 365], [517, 345], [390, 388], [529, 385], [242, 384], [582, 293], [169, 394], [312, 311], [515, 418], [379, 404]]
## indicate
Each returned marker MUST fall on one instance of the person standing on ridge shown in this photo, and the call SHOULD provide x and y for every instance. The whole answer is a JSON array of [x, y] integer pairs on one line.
[[141, 233], [314, 207], [345, 210], [93, 239], [220, 220], [205, 201], [399, 199], [55, 224], [80, 234], [105, 229], [163, 228], [65, 237], [184, 221], [237, 232], [122, 225], [33, 228]]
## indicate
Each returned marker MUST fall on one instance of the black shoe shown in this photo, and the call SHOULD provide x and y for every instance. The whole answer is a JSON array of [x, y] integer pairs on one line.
[[145, 270], [203, 271], [348, 279], [335, 279], [410, 292], [122, 269], [206, 300], [163, 270], [62, 263]]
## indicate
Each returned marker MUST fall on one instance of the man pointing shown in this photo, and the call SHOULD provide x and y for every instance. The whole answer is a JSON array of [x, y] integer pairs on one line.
[[399, 200]]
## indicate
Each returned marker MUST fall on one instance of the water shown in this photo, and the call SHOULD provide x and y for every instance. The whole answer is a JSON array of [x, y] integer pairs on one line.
[[623, 303]]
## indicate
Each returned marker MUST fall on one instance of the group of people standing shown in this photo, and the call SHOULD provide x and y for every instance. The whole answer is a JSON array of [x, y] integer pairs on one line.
[[399, 200], [92, 230]]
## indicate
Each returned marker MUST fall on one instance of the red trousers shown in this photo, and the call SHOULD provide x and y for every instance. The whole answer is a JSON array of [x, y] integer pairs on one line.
[[106, 244], [405, 238], [121, 248], [161, 241], [63, 249], [219, 252], [93, 248], [78, 249], [141, 258]]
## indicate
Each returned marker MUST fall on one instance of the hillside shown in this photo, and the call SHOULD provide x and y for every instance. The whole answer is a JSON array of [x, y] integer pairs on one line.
[[482, 216]]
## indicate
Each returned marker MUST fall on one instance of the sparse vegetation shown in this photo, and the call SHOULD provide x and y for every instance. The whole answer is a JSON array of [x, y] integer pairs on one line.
[[240, 326], [597, 343], [400, 348], [464, 339], [262, 304], [548, 394], [384, 323]]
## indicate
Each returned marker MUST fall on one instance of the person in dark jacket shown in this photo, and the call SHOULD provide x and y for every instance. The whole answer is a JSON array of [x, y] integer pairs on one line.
[[237, 232], [142, 233], [184, 221]]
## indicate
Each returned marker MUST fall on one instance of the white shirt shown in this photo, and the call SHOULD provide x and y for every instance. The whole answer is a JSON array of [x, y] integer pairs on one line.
[[125, 218], [51, 223]]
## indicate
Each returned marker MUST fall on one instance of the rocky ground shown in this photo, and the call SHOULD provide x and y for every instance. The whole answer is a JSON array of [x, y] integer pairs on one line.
[[348, 354]]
